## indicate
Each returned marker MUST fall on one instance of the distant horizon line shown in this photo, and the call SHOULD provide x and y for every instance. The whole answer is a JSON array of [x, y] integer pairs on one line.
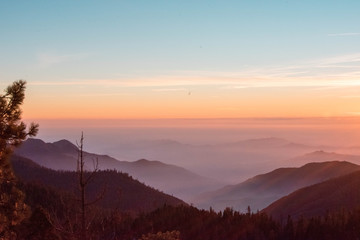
[[202, 118]]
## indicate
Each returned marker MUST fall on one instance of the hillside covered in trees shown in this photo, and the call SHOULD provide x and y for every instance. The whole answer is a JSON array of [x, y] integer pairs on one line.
[[118, 190], [55, 212], [189, 222]]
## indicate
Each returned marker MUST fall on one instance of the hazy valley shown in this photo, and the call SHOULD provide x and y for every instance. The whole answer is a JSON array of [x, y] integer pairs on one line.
[[263, 187]]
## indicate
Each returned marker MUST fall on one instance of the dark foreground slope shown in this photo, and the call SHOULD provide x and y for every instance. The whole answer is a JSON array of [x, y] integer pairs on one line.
[[55, 216], [261, 190], [193, 224], [117, 190], [334, 195]]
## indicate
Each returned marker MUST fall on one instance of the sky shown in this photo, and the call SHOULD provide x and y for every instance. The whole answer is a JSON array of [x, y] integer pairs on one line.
[[183, 59]]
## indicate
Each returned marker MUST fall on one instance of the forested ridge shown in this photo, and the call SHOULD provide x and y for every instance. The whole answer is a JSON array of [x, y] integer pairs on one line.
[[119, 190], [50, 217], [55, 215]]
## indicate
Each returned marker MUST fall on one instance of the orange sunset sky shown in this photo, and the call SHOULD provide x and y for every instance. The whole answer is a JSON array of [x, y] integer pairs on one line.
[[208, 100], [183, 59]]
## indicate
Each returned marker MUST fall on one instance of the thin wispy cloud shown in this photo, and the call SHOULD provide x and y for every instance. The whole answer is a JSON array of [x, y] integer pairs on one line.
[[141, 82], [293, 84], [331, 72], [45, 60], [348, 58], [330, 67], [238, 84]]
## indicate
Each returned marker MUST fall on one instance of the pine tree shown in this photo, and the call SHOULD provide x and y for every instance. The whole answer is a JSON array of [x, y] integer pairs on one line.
[[12, 132]]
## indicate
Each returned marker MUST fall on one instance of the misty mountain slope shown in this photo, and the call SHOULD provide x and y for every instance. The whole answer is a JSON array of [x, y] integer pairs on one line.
[[322, 156], [62, 155], [256, 143], [232, 162], [120, 191], [261, 190], [170, 178], [341, 193]]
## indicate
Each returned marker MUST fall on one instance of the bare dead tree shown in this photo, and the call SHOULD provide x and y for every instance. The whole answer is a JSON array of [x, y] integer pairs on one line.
[[75, 222], [83, 181]]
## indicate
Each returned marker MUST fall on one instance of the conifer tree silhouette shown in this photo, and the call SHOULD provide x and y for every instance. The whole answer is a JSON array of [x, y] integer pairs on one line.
[[12, 133]]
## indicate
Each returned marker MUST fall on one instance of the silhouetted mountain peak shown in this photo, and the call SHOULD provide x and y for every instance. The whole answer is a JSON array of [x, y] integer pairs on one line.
[[65, 145], [34, 142], [35, 145], [145, 162]]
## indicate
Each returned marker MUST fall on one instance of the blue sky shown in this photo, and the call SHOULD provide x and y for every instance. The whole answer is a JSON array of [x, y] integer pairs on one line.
[[179, 45]]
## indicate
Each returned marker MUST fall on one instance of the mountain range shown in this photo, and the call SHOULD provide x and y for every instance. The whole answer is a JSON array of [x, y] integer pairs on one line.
[[256, 192], [261, 190], [62, 155], [231, 162], [53, 202]]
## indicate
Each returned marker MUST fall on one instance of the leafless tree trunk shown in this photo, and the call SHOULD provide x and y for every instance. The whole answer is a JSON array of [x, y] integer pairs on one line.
[[83, 183]]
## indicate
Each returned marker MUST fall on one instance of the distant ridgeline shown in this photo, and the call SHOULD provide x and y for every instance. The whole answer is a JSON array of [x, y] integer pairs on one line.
[[62, 155]]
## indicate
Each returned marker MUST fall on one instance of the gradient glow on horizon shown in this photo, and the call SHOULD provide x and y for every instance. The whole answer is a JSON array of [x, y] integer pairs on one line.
[[183, 59]]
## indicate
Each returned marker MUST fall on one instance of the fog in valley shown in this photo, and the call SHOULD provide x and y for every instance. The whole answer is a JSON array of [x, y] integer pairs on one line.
[[229, 151]]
